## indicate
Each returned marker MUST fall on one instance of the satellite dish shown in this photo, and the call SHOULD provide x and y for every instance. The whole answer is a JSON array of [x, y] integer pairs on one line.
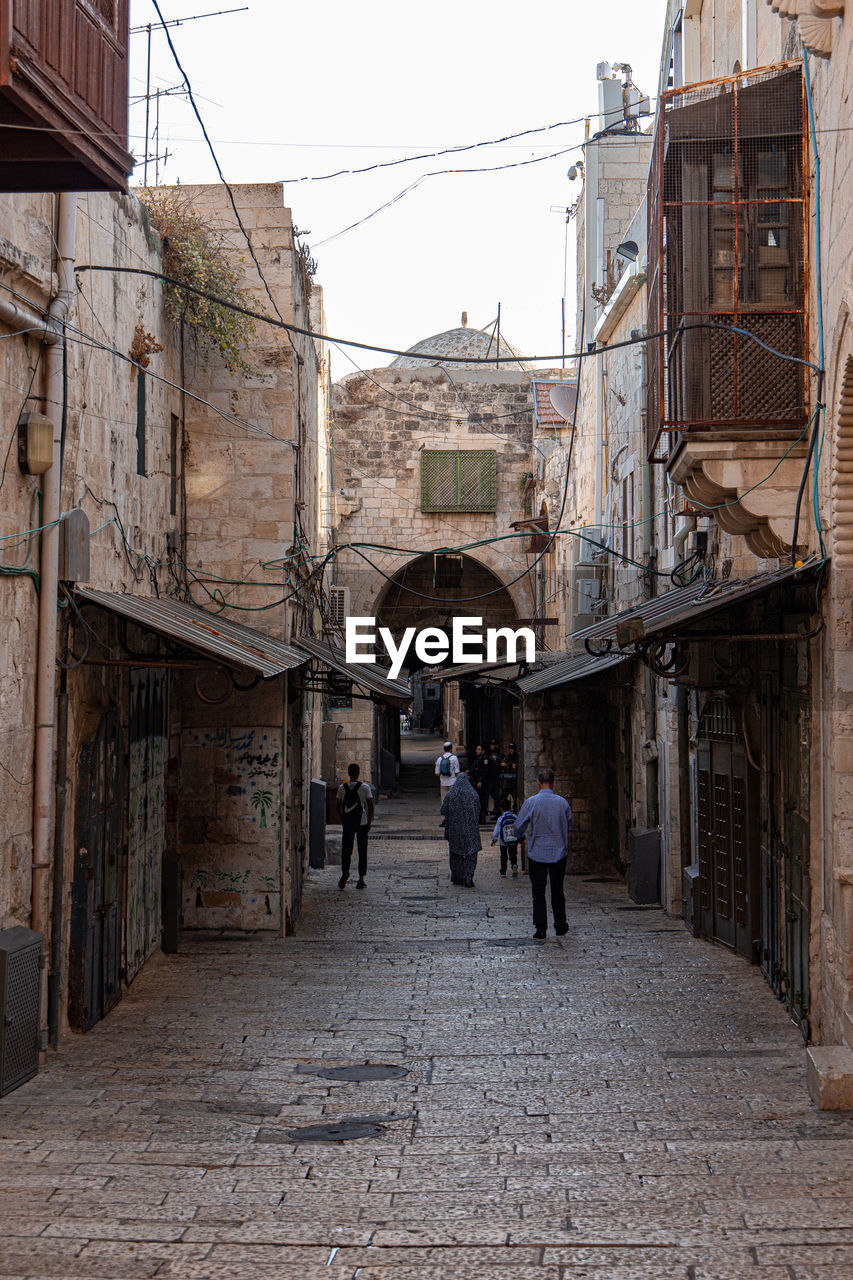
[[317, 622], [563, 398]]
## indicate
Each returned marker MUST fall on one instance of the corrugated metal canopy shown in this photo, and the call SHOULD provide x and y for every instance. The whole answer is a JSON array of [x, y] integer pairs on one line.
[[473, 670], [684, 605], [373, 679], [578, 667], [207, 633]]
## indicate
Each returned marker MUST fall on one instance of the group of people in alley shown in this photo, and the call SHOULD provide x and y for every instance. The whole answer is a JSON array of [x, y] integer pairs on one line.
[[542, 824]]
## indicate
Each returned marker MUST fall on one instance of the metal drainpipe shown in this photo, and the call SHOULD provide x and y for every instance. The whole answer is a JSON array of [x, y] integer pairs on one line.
[[49, 573]]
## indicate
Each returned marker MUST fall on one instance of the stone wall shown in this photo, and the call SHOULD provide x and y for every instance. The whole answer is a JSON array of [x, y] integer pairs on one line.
[[381, 422]]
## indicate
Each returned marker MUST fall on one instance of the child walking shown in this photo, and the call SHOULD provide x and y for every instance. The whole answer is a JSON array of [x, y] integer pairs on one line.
[[504, 833]]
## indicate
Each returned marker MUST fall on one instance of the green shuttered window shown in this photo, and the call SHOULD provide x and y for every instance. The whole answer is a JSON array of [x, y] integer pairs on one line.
[[458, 479]]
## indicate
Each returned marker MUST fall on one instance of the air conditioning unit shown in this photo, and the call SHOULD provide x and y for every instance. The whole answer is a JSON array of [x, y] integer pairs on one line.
[[338, 606], [586, 593]]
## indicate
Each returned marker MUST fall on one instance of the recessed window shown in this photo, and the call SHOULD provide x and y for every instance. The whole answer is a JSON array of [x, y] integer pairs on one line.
[[140, 422], [458, 480]]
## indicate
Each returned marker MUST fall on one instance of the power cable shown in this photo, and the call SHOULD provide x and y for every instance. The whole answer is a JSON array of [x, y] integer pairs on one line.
[[439, 357], [215, 159], [438, 173], [433, 155]]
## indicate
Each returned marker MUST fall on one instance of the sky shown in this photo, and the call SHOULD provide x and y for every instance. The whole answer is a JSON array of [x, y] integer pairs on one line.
[[288, 92]]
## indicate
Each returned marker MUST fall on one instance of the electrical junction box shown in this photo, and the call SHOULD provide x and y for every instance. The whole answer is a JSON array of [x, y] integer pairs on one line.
[[644, 864], [74, 547]]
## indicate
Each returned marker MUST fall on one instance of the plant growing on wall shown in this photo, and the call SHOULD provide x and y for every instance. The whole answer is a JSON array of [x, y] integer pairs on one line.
[[194, 253]]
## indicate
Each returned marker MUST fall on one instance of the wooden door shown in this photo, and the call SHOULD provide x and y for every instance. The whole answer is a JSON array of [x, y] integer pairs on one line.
[[96, 918], [727, 837]]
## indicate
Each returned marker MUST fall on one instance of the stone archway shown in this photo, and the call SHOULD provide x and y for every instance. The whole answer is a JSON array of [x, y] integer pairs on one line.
[[430, 591], [842, 473]]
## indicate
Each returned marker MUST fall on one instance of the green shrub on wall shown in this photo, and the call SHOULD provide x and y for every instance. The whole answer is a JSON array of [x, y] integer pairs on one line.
[[194, 253]]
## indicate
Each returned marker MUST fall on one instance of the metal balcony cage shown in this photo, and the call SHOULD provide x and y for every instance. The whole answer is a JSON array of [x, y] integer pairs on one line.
[[727, 210]]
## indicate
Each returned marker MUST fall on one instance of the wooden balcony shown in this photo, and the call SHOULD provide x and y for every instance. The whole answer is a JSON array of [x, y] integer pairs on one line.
[[63, 95]]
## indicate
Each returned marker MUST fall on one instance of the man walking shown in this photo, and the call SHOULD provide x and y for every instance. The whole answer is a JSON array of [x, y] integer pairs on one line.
[[355, 810], [447, 769], [547, 819]]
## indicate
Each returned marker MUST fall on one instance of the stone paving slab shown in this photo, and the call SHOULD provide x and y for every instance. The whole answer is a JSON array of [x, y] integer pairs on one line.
[[626, 1103]]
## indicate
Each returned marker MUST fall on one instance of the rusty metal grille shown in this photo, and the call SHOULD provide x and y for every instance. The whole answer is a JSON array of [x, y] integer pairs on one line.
[[722, 851], [458, 480], [739, 851], [704, 850], [717, 723], [727, 209]]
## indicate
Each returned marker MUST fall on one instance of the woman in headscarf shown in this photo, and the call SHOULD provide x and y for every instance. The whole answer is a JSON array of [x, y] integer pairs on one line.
[[461, 811]]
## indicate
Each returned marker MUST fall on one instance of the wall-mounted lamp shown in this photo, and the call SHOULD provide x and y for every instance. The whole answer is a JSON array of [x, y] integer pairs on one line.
[[629, 250], [35, 444]]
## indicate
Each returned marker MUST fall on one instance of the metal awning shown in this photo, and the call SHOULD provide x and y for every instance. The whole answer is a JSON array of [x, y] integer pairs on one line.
[[373, 679], [475, 670], [577, 667], [207, 633], [683, 606]]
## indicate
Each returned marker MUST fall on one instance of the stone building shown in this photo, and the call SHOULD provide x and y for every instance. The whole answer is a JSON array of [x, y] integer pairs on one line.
[[711, 495], [171, 775], [432, 460]]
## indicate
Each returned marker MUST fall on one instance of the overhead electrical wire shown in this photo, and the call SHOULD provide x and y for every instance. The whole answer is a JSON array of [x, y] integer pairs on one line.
[[439, 357], [438, 173]]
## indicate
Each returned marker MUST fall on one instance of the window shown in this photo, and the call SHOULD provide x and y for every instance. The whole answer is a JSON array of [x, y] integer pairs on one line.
[[140, 422], [173, 465], [726, 207], [458, 480]]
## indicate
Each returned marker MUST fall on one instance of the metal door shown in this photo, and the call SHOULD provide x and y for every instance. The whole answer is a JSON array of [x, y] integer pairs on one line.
[[771, 932], [728, 893], [794, 844], [95, 962], [146, 826]]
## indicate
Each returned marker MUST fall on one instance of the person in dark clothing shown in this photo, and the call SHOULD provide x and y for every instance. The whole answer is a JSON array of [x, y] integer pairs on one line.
[[477, 776], [508, 779], [492, 780], [355, 810], [460, 808]]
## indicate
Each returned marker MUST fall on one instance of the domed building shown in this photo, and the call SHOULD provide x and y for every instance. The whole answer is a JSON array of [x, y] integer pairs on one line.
[[433, 466], [477, 344]]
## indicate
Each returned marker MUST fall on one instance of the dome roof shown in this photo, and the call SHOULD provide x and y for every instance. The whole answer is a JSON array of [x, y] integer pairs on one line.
[[476, 344]]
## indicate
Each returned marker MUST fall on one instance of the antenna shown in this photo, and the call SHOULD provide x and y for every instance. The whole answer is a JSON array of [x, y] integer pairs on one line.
[[174, 22]]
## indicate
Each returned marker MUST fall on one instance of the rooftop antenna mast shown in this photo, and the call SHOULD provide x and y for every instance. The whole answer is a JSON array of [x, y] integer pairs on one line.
[[148, 28]]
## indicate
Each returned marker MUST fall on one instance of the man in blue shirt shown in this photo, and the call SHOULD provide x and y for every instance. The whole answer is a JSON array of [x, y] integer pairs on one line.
[[547, 820]]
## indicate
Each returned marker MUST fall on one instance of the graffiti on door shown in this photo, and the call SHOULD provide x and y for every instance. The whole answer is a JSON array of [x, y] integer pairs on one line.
[[231, 829]]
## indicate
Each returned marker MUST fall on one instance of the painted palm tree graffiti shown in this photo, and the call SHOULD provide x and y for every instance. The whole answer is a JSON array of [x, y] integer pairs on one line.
[[262, 801]]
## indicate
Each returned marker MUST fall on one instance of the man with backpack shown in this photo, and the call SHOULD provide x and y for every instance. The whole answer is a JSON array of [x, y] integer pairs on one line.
[[504, 834], [355, 810], [447, 769]]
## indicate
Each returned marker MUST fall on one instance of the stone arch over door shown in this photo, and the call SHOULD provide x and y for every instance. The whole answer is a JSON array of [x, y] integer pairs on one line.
[[842, 472]]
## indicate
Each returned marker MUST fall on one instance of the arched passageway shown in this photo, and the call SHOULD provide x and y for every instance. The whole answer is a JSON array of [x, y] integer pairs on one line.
[[430, 592]]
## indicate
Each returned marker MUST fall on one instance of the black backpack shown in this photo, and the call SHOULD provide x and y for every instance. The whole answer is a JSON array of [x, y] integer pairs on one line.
[[351, 805]]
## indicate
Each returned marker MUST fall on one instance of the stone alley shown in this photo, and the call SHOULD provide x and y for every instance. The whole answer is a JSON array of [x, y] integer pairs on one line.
[[625, 1103]]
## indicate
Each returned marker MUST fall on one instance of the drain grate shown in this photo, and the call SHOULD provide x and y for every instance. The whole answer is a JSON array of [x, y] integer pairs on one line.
[[365, 1071], [343, 1131]]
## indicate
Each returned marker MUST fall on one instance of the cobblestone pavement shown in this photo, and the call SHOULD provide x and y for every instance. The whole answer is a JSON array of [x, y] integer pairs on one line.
[[625, 1103]]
